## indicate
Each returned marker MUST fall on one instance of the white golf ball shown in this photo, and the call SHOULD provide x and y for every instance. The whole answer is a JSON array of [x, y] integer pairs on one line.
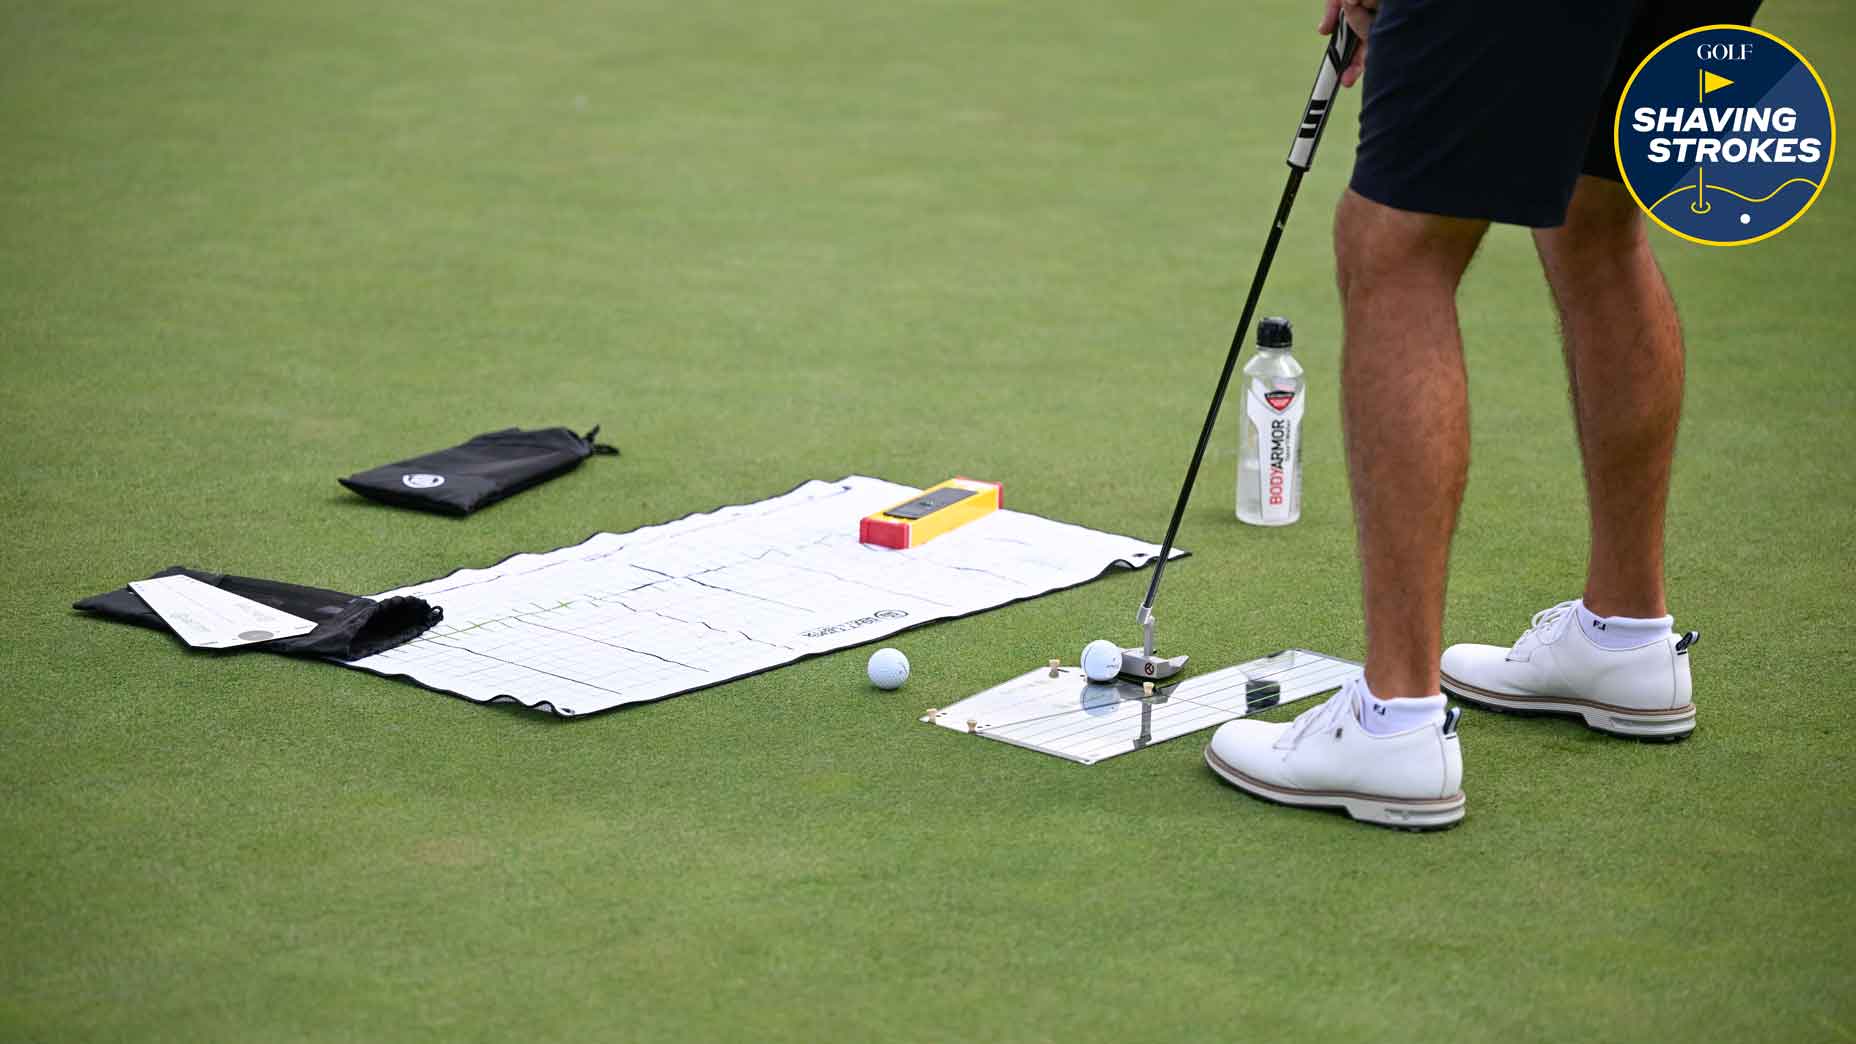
[[888, 669], [1101, 660]]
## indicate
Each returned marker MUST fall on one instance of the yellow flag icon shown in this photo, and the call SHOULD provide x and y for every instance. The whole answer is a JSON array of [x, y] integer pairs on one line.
[[1711, 83]]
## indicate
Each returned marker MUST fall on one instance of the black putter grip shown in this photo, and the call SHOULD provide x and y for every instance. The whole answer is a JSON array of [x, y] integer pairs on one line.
[[1342, 46]]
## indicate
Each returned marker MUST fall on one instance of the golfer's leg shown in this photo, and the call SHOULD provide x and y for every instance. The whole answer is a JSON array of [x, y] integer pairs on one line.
[[1406, 408], [1624, 356]]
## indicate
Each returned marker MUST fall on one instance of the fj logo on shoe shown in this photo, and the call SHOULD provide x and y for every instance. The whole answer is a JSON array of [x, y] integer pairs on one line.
[[421, 481], [1725, 135]]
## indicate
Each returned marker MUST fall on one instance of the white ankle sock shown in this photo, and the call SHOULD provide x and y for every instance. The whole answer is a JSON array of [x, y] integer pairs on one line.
[[1384, 717], [1622, 632]]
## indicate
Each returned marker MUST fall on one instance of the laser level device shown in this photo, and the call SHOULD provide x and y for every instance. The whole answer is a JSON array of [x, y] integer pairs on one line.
[[936, 510]]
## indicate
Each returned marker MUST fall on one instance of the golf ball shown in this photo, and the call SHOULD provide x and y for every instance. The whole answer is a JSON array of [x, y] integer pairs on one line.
[[1101, 660], [888, 669]]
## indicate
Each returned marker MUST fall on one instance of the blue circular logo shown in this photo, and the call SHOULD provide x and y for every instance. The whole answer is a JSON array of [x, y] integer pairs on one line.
[[1725, 135]]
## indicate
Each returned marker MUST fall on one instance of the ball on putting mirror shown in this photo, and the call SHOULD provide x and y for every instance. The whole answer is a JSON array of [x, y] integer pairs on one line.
[[888, 669], [1101, 660]]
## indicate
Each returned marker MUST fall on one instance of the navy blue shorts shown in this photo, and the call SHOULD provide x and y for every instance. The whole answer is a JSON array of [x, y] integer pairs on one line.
[[1492, 109]]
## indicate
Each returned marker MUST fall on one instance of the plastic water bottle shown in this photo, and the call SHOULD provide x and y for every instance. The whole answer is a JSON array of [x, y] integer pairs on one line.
[[1269, 464]]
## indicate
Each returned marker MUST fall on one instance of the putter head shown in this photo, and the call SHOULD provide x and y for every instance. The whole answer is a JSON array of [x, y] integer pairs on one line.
[[1141, 665]]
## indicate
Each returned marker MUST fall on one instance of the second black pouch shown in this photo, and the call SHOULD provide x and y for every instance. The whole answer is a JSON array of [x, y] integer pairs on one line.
[[488, 468]]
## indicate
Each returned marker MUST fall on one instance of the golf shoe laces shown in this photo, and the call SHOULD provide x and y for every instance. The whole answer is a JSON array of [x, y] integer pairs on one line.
[[1546, 626], [1332, 714]]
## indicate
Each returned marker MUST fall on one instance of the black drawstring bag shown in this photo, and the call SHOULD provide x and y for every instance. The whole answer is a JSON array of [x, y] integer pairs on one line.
[[488, 468], [348, 627]]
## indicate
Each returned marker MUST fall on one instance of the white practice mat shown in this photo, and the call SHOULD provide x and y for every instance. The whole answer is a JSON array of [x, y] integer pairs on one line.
[[668, 609]]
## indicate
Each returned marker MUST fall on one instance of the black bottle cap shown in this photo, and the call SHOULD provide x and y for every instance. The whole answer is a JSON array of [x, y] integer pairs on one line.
[[1274, 332]]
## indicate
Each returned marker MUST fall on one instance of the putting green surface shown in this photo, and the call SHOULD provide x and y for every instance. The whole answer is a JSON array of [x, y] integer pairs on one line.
[[252, 247]]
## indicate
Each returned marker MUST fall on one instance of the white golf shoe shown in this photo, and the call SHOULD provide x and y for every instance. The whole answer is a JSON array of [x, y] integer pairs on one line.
[[1325, 758], [1642, 692]]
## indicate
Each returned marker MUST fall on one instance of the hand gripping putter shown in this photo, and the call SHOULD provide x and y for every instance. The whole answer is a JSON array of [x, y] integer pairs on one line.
[[1141, 663]]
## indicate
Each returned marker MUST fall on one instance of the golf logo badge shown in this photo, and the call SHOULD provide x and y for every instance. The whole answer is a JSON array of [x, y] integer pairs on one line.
[[422, 481], [1725, 135]]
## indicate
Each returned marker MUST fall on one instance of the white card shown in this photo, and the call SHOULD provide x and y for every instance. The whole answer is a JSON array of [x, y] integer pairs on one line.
[[209, 618]]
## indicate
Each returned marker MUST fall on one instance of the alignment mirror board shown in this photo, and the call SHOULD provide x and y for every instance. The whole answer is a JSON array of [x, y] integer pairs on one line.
[[1057, 710]]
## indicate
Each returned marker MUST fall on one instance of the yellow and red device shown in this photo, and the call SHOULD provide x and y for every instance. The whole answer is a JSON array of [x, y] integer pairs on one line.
[[930, 513]]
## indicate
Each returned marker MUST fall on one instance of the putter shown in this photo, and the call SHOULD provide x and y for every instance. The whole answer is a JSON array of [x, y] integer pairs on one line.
[[1143, 663]]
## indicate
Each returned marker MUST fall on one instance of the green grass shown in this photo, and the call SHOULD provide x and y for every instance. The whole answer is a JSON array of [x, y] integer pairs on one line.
[[251, 247]]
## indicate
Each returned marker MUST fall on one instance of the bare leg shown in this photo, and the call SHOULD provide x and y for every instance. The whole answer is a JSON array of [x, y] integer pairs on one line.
[[1624, 357], [1405, 399]]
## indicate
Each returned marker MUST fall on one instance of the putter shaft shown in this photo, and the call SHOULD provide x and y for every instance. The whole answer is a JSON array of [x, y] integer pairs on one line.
[[1339, 54]]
